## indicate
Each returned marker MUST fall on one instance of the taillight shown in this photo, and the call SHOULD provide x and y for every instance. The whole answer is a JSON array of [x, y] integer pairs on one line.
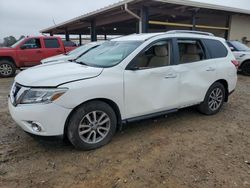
[[236, 64]]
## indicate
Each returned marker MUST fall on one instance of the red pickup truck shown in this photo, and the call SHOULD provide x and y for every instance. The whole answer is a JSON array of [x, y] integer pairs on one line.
[[29, 52]]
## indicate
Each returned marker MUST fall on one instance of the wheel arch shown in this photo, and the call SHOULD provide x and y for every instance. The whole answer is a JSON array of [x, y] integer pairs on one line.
[[225, 84], [9, 58], [246, 60], [245, 69], [111, 103]]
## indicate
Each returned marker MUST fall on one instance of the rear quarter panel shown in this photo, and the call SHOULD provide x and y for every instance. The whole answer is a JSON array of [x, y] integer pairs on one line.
[[226, 69]]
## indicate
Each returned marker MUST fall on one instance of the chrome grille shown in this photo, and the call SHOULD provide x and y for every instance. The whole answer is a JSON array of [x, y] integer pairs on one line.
[[16, 92]]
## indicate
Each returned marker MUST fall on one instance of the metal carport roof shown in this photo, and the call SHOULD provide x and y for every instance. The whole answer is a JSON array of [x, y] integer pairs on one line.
[[107, 16]]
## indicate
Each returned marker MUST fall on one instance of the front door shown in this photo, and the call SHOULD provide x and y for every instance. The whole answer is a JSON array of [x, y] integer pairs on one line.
[[151, 81], [30, 53]]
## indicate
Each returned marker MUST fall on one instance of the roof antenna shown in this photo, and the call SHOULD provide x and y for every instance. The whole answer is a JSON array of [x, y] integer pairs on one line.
[[53, 20]]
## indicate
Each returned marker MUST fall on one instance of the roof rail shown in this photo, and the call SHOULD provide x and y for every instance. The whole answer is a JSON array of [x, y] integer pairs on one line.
[[191, 32]]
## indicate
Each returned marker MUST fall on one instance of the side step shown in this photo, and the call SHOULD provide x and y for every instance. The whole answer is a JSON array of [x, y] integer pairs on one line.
[[148, 116]]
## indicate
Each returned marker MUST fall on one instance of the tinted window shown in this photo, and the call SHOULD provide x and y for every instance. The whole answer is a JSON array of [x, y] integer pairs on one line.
[[190, 51], [215, 48], [157, 55], [51, 43], [32, 44]]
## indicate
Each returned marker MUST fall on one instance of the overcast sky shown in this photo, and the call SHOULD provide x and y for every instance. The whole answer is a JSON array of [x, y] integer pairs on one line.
[[27, 17]]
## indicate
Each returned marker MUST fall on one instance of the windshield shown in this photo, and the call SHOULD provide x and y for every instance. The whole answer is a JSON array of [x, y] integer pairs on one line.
[[81, 49], [239, 46], [109, 53], [18, 42]]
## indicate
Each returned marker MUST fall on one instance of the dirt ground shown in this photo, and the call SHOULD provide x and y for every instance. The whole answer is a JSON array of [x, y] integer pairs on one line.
[[186, 149]]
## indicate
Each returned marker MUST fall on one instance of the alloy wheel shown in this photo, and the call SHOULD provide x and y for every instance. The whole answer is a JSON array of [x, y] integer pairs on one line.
[[94, 127], [5, 69], [215, 99]]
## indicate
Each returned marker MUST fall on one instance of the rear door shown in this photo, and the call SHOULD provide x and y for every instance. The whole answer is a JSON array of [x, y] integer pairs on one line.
[[30, 52], [52, 47], [196, 70]]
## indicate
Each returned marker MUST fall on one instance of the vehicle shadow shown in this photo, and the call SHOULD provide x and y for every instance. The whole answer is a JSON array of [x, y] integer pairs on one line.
[[61, 144]]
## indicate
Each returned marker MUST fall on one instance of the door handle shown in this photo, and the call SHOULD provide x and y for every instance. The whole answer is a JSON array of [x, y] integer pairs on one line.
[[210, 69], [171, 75], [38, 51]]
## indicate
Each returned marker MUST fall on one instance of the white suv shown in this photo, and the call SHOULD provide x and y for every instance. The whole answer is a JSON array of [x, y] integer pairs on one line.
[[123, 80], [242, 55]]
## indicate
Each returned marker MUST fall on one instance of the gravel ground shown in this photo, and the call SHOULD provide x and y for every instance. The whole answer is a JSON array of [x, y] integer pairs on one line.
[[185, 149]]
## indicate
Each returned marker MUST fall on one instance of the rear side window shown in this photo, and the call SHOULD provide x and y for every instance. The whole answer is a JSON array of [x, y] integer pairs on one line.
[[215, 48], [190, 51], [51, 43]]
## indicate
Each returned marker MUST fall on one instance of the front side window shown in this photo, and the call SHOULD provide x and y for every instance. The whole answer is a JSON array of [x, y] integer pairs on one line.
[[109, 53], [157, 55], [190, 51], [51, 43], [33, 43]]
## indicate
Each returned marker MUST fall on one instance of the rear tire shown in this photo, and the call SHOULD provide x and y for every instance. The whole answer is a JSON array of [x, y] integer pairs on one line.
[[245, 68], [7, 69], [214, 99], [92, 125]]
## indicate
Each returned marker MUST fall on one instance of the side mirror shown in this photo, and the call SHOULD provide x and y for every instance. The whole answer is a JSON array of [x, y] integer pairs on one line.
[[23, 47], [134, 68], [232, 48]]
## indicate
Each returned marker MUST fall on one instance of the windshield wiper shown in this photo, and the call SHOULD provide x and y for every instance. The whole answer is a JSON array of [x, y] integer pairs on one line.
[[83, 63], [79, 62]]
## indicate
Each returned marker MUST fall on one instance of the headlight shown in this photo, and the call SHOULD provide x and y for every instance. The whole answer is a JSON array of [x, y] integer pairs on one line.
[[40, 95]]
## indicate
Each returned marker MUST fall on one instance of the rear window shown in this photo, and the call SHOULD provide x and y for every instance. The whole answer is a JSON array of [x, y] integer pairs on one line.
[[215, 48], [51, 43]]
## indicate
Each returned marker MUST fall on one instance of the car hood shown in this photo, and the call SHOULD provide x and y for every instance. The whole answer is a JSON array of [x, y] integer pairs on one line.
[[6, 49], [52, 75], [242, 52], [61, 57]]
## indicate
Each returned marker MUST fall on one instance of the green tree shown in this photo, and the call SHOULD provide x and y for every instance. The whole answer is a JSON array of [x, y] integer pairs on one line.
[[8, 41]]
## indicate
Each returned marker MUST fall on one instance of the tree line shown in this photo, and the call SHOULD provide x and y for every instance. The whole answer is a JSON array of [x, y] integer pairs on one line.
[[9, 41]]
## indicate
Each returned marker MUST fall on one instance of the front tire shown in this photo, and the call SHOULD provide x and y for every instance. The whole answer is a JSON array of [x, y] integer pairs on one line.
[[7, 69], [245, 68], [214, 99], [92, 125]]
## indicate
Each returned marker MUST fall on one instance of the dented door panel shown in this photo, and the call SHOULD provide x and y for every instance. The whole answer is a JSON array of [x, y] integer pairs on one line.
[[195, 79], [150, 90]]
